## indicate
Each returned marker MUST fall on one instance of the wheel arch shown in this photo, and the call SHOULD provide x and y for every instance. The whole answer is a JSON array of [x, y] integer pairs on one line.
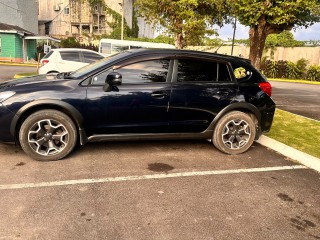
[[242, 107], [35, 106]]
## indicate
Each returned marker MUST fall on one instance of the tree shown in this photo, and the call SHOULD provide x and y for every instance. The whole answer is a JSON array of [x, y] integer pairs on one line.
[[284, 39], [188, 21], [273, 16]]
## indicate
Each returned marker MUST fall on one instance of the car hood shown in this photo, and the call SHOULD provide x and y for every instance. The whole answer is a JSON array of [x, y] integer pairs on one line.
[[27, 80]]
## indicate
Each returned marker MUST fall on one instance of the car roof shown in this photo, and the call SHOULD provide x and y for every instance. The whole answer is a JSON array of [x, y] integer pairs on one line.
[[72, 49], [183, 52]]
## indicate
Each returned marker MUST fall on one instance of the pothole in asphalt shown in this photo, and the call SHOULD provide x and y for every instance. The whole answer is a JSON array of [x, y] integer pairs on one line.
[[160, 167], [20, 164]]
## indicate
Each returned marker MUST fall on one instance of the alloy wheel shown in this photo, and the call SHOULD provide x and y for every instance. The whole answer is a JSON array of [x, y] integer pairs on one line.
[[48, 137], [236, 134]]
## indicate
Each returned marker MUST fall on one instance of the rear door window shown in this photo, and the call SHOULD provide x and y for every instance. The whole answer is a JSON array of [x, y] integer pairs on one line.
[[196, 70], [70, 56]]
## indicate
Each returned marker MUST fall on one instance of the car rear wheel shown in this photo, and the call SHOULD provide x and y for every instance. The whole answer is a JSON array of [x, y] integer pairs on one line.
[[48, 135], [234, 133]]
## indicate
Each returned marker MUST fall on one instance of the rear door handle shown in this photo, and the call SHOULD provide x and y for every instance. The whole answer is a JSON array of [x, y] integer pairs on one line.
[[223, 92], [158, 95]]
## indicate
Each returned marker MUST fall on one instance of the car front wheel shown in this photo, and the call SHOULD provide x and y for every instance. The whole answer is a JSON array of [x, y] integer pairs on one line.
[[48, 135], [234, 133]]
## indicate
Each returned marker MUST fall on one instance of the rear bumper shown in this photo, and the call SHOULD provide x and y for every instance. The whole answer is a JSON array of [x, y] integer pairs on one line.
[[267, 115]]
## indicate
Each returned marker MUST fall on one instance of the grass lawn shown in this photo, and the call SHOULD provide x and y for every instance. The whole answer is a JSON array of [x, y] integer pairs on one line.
[[295, 131]]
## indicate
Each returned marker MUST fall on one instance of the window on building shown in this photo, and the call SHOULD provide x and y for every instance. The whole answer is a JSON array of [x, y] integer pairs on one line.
[[66, 11], [47, 28]]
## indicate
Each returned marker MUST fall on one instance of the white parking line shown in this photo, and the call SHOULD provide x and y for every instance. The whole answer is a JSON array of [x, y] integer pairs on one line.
[[296, 95], [146, 177], [298, 106]]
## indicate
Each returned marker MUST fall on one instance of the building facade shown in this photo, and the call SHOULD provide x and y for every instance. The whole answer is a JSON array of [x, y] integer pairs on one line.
[[20, 13], [62, 18], [18, 19]]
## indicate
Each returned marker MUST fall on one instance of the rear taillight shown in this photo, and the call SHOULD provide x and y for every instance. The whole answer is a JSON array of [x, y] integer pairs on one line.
[[266, 87], [44, 62]]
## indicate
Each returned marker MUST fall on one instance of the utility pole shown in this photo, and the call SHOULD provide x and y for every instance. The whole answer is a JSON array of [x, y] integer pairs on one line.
[[234, 34]]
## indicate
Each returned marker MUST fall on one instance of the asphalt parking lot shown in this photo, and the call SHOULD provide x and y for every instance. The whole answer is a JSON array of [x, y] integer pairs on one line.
[[157, 190], [7, 72], [298, 98]]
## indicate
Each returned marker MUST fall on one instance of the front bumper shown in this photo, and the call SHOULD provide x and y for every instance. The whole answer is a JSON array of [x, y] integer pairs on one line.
[[6, 117]]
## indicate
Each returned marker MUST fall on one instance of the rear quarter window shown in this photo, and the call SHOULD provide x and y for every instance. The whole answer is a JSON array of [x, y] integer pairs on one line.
[[47, 55], [245, 72]]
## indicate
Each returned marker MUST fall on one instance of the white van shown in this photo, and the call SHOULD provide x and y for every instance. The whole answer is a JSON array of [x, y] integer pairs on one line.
[[112, 46]]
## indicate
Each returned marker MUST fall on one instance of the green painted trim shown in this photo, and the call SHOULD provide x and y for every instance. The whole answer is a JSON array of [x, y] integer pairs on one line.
[[294, 81]]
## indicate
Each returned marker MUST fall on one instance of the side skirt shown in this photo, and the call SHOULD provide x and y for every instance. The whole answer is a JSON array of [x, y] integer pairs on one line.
[[149, 136]]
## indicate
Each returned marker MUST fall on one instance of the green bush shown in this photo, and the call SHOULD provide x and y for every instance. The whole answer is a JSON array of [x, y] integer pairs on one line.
[[302, 68], [313, 73], [282, 68], [291, 70], [72, 42], [272, 69]]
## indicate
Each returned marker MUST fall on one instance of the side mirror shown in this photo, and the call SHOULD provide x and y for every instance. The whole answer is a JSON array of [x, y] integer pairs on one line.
[[113, 79]]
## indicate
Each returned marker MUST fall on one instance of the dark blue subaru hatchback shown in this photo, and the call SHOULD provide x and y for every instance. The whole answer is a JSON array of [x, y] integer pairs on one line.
[[141, 94]]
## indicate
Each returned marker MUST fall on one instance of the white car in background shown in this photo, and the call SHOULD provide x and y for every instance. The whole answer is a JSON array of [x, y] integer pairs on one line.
[[67, 60]]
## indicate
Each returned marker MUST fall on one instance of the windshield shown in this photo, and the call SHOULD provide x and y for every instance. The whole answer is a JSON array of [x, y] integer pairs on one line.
[[96, 65]]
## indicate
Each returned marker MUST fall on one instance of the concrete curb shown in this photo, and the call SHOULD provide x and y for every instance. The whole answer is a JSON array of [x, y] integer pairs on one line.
[[22, 76], [19, 64], [293, 81], [301, 157]]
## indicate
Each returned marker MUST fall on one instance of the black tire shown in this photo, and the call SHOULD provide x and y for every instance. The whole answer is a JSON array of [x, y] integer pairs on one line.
[[48, 135], [234, 133]]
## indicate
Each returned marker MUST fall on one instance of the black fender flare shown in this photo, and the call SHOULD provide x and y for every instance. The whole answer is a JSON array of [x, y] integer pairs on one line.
[[71, 110], [238, 106]]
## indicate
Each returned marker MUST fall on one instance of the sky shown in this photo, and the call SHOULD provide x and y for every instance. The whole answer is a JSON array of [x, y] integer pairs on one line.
[[242, 32]]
